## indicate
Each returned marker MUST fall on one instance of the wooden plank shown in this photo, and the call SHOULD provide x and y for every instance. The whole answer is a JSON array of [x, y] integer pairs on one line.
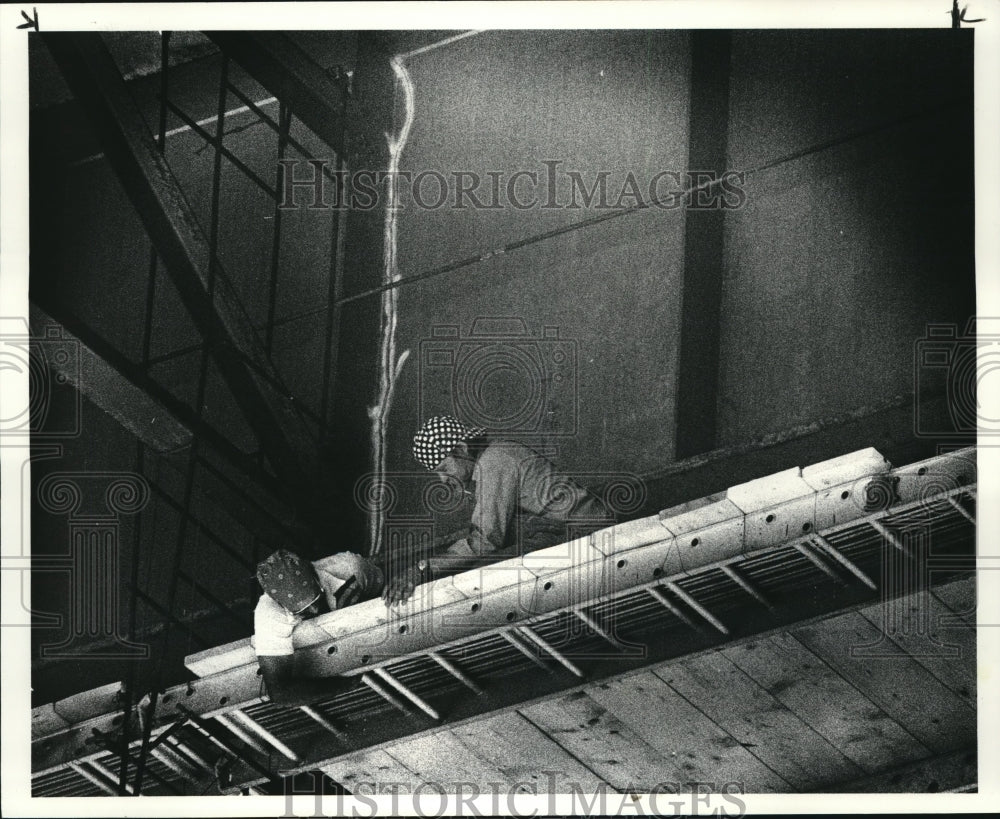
[[675, 728], [937, 774], [604, 744], [372, 772], [780, 739], [446, 764], [523, 753], [898, 684], [947, 653], [826, 702], [960, 597]]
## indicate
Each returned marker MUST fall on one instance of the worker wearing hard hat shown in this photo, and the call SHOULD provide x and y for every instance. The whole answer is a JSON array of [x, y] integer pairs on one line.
[[521, 503], [294, 590]]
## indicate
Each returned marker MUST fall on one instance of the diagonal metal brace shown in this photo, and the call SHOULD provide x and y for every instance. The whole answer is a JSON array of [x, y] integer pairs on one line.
[[280, 65], [211, 300]]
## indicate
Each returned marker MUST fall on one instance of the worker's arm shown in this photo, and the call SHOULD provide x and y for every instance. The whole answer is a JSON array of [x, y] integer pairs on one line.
[[404, 577], [285, 687], [497, 479]]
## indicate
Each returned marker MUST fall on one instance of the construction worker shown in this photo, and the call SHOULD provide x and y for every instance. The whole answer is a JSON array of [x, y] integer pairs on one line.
[[521, 502], [294, 590]]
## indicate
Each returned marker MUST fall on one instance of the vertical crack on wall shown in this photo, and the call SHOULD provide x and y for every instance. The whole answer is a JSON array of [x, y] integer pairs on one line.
[[389, 365]]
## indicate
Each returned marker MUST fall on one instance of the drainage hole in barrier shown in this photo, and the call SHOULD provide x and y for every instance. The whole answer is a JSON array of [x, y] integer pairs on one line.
[[622, 563], [548, 585], [475, 607], [511, 617], [366, 659], [806, 526], [845, 495], [695, 542], [331, 650], [402, 629], [769, 519]]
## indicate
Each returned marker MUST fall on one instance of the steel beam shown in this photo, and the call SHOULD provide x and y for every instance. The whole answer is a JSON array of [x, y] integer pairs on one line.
[[189, 754], [559, 658], [47, 310], [353, 386], [527, 652], [211, 299], [813, 558], [596, 627], [289, 73], [829, 549], [455, 671], [698, 607], [111, 390], [892, 537], [387, 695], [93, 778], [264, 734], [746, 585], [316, 716], [171, 763], [961, 509], [412, 696], [658, 595]]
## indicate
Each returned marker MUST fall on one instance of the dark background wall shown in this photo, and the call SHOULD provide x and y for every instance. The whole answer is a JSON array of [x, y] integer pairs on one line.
[[843, 255], [827, 276], [507, 102]]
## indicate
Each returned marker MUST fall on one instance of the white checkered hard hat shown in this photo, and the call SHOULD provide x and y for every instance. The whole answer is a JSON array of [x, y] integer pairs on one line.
[[439, 436]]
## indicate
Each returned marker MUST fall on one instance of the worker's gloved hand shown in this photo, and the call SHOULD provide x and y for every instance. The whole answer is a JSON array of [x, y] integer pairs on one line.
[[400, 587]]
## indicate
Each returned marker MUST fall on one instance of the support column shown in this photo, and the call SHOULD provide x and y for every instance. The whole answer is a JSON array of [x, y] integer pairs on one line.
[[698, 379]]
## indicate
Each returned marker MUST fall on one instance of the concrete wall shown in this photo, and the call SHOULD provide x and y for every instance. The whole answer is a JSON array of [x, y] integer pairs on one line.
[[505, 102], [842, 256]]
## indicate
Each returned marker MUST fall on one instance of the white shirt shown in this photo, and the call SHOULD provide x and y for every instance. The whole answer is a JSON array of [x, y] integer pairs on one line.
[[273, 624]]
